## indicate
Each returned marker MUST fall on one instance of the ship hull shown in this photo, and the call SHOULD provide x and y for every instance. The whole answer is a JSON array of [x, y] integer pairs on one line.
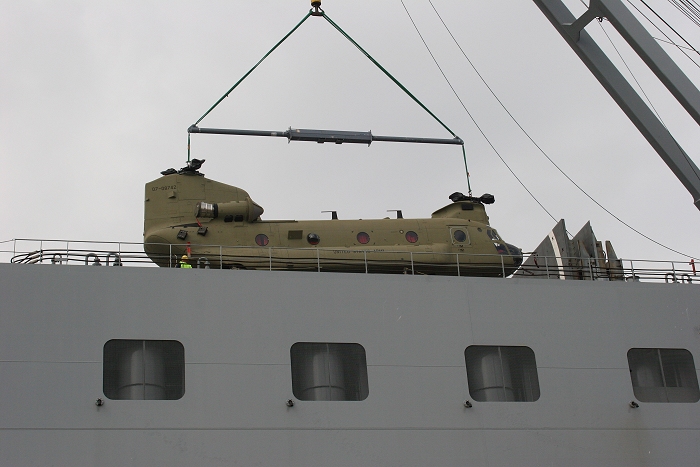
[[237, 329]]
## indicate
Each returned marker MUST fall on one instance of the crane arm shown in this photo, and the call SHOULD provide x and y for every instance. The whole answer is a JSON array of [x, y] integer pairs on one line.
[[571, 29]]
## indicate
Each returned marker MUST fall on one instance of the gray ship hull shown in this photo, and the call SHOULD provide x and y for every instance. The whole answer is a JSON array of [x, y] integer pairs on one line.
[[237, 328]]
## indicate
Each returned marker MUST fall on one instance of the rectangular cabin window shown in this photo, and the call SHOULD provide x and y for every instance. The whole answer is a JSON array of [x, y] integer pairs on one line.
[[294, 235], [501, 373], [324, 371], [143, 369], [663, 375]]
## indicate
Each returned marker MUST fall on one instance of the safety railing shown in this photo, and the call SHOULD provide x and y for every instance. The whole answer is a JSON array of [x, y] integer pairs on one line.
[[628, 270], [369, 261], [37, 251]]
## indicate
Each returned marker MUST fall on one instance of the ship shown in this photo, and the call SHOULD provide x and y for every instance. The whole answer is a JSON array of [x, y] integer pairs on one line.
[[578, 357]]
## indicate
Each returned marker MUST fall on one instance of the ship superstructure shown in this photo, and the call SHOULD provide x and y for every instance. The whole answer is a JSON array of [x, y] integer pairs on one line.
[[125, 366]]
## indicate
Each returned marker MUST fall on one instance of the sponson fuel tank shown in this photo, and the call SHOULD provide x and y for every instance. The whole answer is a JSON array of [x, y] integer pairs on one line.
[[220, 226]]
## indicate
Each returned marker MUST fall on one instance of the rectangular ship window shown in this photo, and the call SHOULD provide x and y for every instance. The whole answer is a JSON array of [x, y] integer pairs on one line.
[[502, 373], [143, 369], [663, 375], [329, 372]]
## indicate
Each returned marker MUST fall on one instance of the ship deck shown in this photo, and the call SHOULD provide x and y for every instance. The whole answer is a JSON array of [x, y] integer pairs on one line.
[[130, 254]]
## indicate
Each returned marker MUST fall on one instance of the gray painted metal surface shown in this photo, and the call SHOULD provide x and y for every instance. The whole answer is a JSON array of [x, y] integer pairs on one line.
[[326, 136], [571, 29], [237, 328]]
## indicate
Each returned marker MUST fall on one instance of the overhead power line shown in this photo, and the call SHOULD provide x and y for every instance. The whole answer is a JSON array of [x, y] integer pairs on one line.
[[471, 117], [524, 132]]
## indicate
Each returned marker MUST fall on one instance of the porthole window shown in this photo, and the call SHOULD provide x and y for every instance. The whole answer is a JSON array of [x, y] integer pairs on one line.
[[261, 240], [313, 239], [143, 369], [363, 237], [411, 236], [324, 371], [459, 236], [502, 373], [663, 375]]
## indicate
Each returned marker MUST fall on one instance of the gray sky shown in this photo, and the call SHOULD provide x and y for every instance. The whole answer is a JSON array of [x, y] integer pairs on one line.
[[96, 98]]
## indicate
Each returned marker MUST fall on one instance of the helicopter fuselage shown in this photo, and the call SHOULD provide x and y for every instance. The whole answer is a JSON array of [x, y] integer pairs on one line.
[[218, 225]]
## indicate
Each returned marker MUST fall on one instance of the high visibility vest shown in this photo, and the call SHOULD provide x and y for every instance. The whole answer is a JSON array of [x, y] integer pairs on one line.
[[185, 265]]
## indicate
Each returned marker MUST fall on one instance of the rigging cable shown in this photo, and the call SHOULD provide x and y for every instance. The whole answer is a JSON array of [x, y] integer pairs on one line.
[[664, 34], [389, 75], [674, 44], [317, 11], [600, 22], [245, 76], [473, 120], [687, 158], [364, 52], [624, 62], [535, 143], [689, 8], [254, 67]]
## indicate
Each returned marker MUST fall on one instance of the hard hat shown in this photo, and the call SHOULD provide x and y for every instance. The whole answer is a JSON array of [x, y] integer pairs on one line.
[[184, 257]]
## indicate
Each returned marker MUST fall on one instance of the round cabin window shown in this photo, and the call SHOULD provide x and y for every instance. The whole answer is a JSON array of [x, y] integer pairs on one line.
[[261, 240], [459, 236], [313, 239], [363, 237], [411, 236]]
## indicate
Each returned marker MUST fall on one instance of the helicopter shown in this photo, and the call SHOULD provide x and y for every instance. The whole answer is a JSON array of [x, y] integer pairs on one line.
[[219, 226]]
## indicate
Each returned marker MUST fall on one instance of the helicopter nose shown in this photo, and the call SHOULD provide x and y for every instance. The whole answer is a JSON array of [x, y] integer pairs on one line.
[[516, 253]]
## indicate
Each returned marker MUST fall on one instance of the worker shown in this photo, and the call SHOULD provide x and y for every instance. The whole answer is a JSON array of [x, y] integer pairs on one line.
[[184, 262]]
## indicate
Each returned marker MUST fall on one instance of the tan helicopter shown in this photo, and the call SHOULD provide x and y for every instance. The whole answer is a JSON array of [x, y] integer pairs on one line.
[[219, 226]]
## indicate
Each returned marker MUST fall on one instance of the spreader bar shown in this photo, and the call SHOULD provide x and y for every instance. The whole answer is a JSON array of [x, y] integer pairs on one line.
[[326, 136]]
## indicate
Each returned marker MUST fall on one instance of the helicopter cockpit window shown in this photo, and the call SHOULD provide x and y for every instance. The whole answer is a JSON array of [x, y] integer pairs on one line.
[[493, 235], [411, 236], [313, 239], [363, 237], [261, 240]]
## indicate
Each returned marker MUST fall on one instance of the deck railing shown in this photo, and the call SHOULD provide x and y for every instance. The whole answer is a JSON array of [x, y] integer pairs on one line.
[[131, 254]]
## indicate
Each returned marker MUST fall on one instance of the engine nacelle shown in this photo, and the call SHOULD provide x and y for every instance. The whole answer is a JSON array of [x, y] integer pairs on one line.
[[246, 210]]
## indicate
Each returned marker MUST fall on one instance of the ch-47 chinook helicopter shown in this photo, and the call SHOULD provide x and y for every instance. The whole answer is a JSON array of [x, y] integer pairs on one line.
[[219, 225]]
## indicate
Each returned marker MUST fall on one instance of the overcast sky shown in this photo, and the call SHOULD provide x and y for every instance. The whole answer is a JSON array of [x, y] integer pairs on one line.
[[96, 98]]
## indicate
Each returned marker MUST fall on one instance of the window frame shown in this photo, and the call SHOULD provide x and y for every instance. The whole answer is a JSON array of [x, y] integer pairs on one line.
[[116, 385], [520, 384], [347, 382], [674, 369]]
